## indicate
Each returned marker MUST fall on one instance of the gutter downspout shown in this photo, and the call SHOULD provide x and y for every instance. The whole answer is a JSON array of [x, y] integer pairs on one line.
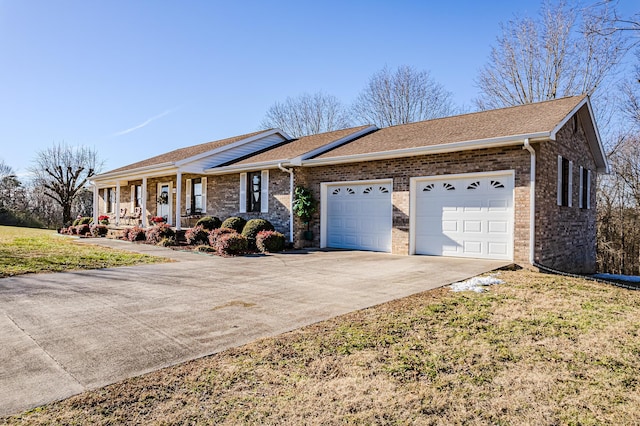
[[532, 202], [290, 171]]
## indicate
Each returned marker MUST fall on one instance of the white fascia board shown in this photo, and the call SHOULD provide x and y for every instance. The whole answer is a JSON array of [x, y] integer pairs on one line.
[[324, 148], [245, 167], [434, 149], [605, 167], [233, 145], [599, 150], [137, 172], [556, 129]]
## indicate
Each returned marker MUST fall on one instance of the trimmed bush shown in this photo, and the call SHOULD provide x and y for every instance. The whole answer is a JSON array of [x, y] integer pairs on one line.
[[83, 229], [231, 244], [270, 241], [197, 235], [209, 223], [136, 234], [205, 249], [86, 220], [235, 223], [216, 233], [251, 229], [157, 233], [167, 242], [125, 234], [99, 230]]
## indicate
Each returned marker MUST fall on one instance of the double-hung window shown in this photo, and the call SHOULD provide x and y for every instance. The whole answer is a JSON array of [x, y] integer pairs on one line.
[[565, 181], [254, 191], [196, 196], [585, 188]]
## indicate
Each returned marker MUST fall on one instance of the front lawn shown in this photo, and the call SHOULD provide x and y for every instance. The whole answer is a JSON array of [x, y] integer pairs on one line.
[[26, 250], [538, 349]]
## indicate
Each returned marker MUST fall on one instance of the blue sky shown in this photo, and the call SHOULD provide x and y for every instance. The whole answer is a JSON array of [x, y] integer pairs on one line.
[[137, 78]]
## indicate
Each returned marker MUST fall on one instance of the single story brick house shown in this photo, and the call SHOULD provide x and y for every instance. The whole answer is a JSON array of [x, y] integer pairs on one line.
[[514, 183]]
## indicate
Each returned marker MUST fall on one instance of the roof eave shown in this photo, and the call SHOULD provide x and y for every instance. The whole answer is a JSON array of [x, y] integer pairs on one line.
[[136, 171], [426, 150], [233, 145], [239, 168]]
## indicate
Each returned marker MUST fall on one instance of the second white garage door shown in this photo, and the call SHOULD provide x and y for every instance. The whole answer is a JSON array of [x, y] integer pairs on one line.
[[464, 215], [358, 216]]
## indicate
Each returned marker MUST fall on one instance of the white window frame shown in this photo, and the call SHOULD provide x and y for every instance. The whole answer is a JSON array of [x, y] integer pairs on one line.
[[561, 183], [584, 171], [264, 191]]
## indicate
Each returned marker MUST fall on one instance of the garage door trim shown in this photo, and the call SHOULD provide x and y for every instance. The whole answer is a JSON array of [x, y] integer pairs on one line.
[[413, 183], [323, 201]]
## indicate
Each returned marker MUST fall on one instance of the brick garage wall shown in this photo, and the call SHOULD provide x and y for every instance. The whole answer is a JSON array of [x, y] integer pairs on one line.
[[223, 199], [402, 169], [565, 236]]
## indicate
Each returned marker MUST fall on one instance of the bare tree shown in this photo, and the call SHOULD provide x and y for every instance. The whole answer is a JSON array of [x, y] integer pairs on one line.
[[402, 96], [553, 56], [11, 191], [63, 172], [307, 114], [619, 209]]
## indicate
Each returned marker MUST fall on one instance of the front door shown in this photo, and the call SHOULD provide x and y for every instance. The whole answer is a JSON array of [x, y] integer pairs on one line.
[[164, 201]]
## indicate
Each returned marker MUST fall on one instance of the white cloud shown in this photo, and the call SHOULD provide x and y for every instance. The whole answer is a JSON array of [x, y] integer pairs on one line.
[[144, 123]]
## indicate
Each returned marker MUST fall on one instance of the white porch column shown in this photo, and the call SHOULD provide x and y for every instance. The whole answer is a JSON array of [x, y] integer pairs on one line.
[[144, 202], [117, 212], [178, 200], [96, 203]]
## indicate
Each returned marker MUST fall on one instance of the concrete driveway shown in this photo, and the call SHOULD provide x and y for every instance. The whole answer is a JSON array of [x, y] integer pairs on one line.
[[61, 334]]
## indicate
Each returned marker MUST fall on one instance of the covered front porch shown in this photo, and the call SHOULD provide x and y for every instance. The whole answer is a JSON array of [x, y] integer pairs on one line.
[[178, 199]]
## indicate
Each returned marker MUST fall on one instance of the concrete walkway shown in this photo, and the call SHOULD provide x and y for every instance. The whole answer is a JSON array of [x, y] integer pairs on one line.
[[61, 334]]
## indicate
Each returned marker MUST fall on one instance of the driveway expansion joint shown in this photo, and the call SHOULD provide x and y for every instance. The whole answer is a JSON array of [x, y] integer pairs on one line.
[[44, 351]]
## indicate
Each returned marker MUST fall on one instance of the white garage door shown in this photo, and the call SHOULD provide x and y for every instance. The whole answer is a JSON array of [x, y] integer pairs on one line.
[[359, 216], [466, 216]]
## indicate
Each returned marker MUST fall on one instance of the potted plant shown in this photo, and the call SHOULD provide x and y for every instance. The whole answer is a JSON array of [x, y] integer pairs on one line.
[[103, 219], [304, 206]]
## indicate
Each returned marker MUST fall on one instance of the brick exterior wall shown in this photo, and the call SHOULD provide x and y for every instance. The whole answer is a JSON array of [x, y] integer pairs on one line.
[[402, 169], [223, 198], [565, 236]]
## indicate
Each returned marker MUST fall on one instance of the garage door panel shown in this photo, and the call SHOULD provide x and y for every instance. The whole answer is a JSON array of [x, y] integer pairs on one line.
[[472, 247], [497, 248], [475, 219], [472, 226], [498, 227], [365, 216]]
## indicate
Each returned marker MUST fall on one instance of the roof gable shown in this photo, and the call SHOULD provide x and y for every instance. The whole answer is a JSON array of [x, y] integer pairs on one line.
[[297, 149], [197, 157]]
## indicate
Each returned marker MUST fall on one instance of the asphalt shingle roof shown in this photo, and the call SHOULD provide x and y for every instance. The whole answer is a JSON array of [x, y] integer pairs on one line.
[[183, 153], [297, 147], [512, 121]]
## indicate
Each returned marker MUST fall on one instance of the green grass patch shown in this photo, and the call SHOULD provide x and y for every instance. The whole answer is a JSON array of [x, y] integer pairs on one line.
[[27, 250]]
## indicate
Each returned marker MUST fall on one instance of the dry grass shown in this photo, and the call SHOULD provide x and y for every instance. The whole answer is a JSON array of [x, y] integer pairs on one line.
[[27, 250], [539, 349]]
